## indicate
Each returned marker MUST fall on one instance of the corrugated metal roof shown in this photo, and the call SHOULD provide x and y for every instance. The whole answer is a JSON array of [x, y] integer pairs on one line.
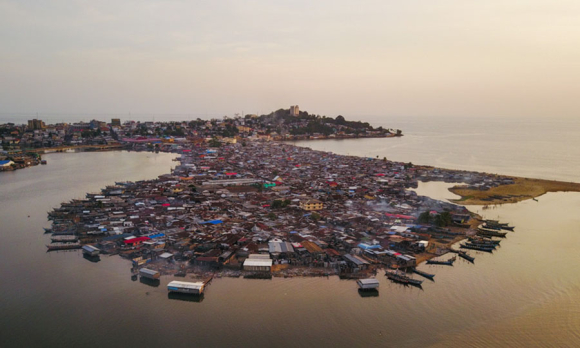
[[357, 261], [258, 262], [280, 247], [185, 285], [370, 281], [148, 271]]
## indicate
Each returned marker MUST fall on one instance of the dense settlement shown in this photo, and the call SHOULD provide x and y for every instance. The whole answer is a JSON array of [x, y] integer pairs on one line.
[[241, 202], [23, 145], [268, 209]]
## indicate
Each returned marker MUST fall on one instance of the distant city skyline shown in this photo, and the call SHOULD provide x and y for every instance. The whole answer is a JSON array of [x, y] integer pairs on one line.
[[414, 58]]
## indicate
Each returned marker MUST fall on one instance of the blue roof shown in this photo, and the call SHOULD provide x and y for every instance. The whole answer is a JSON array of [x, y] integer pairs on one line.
[[157, 235], [4, 162], [367, 246], [212, 222]]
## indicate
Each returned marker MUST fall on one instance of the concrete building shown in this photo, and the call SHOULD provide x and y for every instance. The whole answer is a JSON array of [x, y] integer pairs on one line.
[[311, 204], [35, 124], [294, 110]]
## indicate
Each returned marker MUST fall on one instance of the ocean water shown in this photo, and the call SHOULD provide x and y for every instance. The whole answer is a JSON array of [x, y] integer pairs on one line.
[[544, 149], [527, 293]]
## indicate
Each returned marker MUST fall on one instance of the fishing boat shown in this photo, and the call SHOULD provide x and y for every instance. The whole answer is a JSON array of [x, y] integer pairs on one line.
[[497, 224], [424, 274], [63, 232], [485, 240], [397, 277], [466, 256], [482, 244], [490, 233], [476, 247], [446, 263], [63, 246], [67, 238], [400, 277]]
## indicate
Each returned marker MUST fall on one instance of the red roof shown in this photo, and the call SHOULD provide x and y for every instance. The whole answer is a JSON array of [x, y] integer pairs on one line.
[[165, 204], [399, 216], [136, 240]]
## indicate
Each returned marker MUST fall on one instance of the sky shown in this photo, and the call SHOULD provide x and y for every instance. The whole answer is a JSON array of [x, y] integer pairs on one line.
[[387, 58]]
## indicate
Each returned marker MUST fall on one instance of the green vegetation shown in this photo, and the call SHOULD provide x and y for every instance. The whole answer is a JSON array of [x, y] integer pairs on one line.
[[214, 142], [278, 203], [441, 220]]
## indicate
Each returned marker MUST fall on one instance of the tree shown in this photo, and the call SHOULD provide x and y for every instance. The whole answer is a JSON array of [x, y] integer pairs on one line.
[[340, 120], [424, 217], [214, 142]]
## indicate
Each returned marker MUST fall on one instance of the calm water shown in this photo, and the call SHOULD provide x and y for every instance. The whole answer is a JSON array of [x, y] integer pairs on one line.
[[547, 149], [525, 294]]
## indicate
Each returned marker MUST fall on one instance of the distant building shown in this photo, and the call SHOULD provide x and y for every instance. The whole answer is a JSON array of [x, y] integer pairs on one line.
[[116, 122], [294, 110], [311, 204], [35, 124]]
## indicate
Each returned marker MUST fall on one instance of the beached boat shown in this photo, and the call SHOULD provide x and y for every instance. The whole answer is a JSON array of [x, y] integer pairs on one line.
[[424, 274], [496, 224], [485, 240], [446, 263], [465, 256], [476, 247], [482, 244], [490, 233]]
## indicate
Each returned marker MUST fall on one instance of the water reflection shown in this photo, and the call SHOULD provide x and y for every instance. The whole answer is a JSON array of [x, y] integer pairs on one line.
[[185, 297], [150, 282], [94, 259], [368, 293]]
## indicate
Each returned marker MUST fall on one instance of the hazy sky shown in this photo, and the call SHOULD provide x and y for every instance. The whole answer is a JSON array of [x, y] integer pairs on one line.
[[439, 58]]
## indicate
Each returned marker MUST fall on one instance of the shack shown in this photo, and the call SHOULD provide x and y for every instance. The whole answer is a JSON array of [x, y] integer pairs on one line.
[[90, 250], [257, 262], [149, 273], [186, 287]]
